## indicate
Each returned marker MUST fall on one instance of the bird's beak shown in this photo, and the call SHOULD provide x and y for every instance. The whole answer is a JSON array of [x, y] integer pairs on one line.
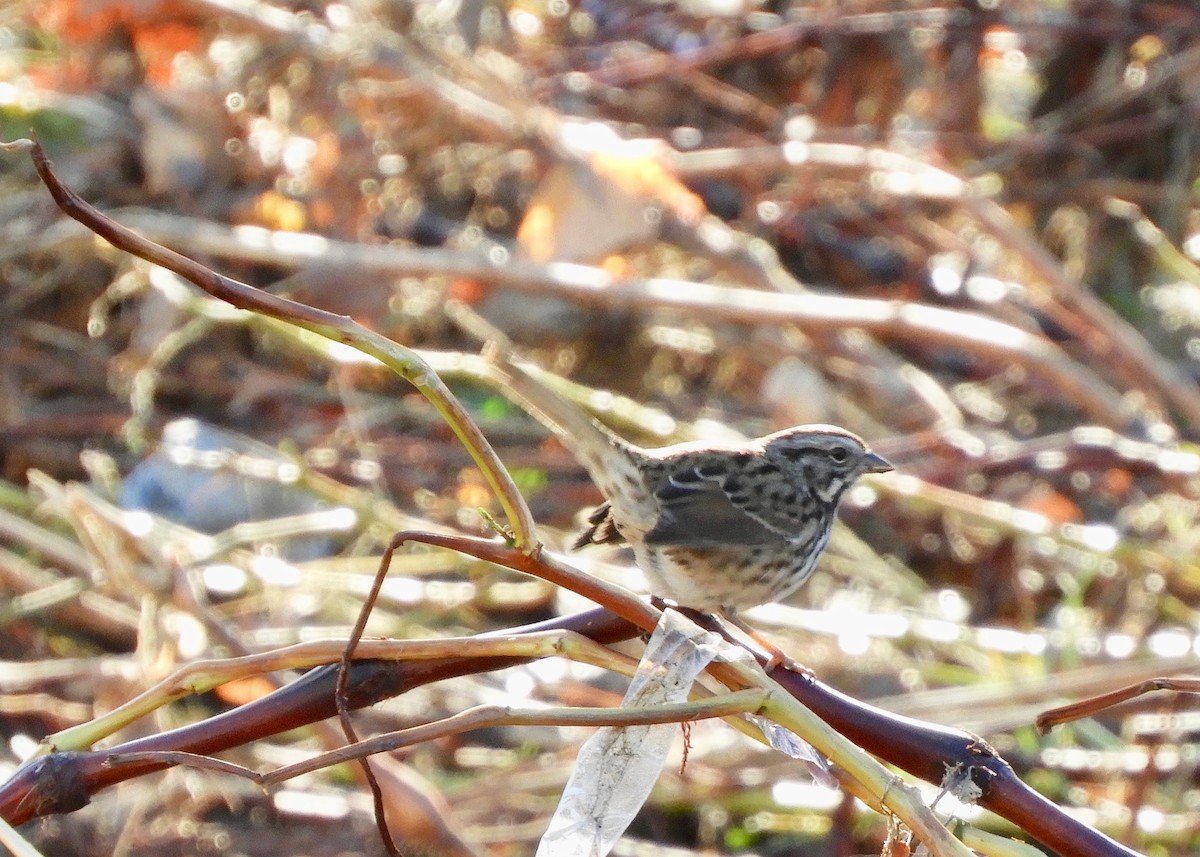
[[875, 463]]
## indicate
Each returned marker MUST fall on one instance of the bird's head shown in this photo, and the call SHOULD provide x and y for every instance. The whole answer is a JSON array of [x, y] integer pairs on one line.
[[827, 459]]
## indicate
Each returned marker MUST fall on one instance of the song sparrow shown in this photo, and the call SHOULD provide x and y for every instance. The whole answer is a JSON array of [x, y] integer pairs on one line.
[[717, 527]]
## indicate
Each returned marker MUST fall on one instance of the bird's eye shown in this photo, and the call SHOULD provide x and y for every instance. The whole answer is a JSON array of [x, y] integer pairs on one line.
[[839, 454]]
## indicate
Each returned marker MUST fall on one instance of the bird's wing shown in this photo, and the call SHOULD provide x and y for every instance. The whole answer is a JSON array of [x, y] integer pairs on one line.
[[695, 511]]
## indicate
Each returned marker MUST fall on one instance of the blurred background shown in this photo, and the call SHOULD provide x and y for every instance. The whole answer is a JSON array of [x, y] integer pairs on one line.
[[967, 231]]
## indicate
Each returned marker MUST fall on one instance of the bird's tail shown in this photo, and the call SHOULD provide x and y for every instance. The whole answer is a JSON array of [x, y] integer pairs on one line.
[[590, 441]]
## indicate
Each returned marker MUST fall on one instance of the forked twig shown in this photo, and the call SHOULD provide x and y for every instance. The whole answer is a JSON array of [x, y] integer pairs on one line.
[[338, 328], [615, 598], [1095, 704], [539, 564]]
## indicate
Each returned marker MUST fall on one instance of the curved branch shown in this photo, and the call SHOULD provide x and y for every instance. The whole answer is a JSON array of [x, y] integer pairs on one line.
[[338, 328], [63, 782]]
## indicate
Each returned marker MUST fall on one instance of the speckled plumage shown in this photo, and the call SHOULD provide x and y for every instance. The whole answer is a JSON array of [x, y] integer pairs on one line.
[[718, 527]]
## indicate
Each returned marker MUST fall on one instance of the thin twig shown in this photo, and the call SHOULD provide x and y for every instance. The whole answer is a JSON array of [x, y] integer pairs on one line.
[[1094, 705], [338, 328], [479, 717]]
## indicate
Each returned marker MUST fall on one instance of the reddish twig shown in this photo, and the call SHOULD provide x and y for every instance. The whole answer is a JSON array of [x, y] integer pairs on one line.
[[63, 782], [337, 328], [1095, 704]]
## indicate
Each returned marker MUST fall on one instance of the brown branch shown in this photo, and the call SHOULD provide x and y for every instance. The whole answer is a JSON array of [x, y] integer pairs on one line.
[[479, 717], [338, 328], [1094, 705], [64, 782]]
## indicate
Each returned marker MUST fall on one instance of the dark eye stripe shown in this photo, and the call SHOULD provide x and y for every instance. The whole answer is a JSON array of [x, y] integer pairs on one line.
[[839, 453]]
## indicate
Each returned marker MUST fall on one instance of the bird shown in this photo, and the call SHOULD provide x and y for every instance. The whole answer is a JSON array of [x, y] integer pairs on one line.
[[714, 526]]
